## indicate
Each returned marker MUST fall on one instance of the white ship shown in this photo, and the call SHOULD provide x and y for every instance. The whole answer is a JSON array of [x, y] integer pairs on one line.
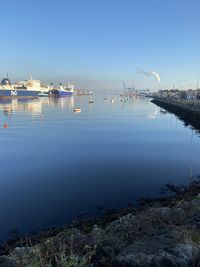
[[33, 85], [8, 90]]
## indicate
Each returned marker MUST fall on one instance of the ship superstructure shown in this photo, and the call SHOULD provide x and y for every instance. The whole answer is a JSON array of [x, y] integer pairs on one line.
[[33, 85]]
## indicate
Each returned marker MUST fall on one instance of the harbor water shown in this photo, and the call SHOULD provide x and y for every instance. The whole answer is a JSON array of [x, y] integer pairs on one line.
[[56, 164]]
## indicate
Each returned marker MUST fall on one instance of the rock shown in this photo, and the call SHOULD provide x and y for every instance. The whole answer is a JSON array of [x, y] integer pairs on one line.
[[20, 252], [157, 252], [195, 203], [169, 233], [6, 261], [122, 222], [195, 220], [183, 205], [97, 233], [179, 215], [162, 213], [186, 254], [161, 210]]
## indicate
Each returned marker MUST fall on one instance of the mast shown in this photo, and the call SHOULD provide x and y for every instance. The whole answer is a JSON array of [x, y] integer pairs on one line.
[[197, 81], [124, 85]]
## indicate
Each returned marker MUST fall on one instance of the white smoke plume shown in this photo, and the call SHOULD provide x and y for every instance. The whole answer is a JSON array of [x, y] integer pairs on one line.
[[150, 73]]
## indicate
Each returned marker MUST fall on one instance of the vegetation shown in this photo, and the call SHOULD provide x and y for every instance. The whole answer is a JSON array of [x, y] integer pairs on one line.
[[167, 226]]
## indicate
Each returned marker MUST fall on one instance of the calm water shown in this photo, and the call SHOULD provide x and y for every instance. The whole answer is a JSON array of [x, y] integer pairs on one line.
[[55, 164]]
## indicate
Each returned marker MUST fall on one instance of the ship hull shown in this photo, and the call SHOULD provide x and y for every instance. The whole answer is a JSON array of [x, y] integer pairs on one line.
[[7, 93], [57, 93]]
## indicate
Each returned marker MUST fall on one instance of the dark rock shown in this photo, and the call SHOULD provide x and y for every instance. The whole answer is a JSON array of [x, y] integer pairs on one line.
[[183, 205], [6, 261], [121, 223], [97, 233], [157, 252]]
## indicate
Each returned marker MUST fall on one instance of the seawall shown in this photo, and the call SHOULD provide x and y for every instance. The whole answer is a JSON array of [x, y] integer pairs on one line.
[[188, 112]]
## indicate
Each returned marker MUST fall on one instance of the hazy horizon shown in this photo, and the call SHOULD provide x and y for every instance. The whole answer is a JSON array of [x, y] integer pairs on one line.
[[98, 44]]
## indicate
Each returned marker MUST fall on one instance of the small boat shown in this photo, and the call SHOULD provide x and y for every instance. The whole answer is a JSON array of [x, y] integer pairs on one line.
[[77, 110], [43, 94], [163, 111], [81, 92]]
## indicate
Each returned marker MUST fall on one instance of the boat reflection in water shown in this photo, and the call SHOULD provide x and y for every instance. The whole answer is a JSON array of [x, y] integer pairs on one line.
[[154, 114], [60, 103], [35, 106], [10, 106]]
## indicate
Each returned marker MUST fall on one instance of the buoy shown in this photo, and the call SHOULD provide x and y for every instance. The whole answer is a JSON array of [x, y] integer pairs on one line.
[[5, 125]]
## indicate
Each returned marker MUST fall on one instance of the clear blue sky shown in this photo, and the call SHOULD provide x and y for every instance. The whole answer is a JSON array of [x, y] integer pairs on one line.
[[99, 43]]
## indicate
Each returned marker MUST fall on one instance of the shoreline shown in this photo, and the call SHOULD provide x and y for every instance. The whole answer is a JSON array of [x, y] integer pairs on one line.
[[82, 222], [120, 237], [187, 112]]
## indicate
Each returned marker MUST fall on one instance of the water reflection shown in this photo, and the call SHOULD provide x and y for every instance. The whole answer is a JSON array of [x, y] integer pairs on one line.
[[10, 106], [154, 114], [55, 168], [35, 106], [61, 103]]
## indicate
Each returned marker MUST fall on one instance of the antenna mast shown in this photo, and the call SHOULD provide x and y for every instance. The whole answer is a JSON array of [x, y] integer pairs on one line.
[[197, 81]]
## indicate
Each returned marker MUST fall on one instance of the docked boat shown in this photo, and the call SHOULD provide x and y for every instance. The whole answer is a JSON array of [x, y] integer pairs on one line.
[[77, 110], [34, 85], [43, 94], [62, 91], [81, 92], [8, 90]]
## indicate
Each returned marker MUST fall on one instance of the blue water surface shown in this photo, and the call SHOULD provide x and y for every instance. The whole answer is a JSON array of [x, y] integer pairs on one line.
[[56, 164]]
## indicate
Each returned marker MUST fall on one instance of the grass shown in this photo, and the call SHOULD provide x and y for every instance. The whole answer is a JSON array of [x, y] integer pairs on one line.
[[97, 244]]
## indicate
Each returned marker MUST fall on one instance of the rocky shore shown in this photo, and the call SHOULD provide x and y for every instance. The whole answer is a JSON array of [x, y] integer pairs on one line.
[[159, 232]]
